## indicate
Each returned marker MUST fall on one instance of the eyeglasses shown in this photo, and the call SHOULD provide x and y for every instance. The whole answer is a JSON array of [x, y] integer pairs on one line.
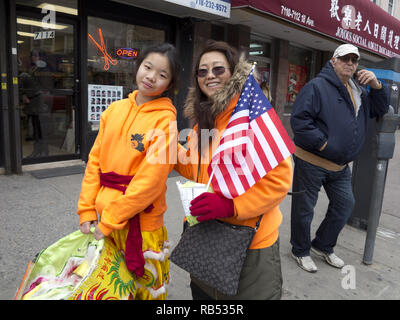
[[217, 71], [346, 59]]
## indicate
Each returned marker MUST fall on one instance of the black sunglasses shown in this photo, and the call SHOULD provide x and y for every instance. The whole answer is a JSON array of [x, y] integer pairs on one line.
[[217, 71], [346, 59]]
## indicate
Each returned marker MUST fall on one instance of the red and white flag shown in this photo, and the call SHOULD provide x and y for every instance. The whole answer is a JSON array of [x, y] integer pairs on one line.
[[253, 143]]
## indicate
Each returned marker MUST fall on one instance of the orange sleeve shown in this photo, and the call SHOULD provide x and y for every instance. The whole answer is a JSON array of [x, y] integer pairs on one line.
[[188, 158], [184, 164], [267, 193], [150, 180]]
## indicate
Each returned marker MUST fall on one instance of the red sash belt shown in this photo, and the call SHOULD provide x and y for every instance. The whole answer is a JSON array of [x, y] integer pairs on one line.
[[114, 180], [133, 251]]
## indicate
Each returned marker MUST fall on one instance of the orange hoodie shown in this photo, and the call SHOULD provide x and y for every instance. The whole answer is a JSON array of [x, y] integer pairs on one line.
[[137, 141], [262, 198]]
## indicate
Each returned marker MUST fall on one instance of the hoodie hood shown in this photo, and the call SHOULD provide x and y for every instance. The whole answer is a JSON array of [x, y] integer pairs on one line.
[[223, 96], [158, 104], [329, 74]]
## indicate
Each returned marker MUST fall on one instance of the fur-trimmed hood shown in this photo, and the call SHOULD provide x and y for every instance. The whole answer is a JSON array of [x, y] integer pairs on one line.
[[223, 96]]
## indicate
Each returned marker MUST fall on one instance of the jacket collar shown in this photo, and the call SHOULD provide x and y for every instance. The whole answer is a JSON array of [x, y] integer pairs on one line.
[[329, 74], [223, 96]]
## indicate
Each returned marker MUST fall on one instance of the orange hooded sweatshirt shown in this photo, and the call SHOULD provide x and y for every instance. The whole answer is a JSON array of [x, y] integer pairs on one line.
[[263, 197], [137, 141]]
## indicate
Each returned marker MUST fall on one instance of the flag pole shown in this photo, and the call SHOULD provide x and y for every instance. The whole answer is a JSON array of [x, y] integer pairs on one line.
[[209, 180], [253, 66]]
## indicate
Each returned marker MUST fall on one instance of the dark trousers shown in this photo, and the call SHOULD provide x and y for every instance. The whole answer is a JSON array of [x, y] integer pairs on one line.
[[307, 182]]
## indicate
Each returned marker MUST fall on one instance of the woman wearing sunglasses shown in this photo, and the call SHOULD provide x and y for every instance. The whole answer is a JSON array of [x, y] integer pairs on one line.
[[218, 79]]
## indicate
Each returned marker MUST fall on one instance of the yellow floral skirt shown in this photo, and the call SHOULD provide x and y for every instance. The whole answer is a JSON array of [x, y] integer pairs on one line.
[[153, 284]]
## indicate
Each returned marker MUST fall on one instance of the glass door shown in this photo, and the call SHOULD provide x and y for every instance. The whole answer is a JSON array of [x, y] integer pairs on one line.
[[46, 88]]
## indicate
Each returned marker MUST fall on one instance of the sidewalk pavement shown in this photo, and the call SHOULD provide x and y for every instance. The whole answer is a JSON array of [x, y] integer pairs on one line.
[[34, 213]]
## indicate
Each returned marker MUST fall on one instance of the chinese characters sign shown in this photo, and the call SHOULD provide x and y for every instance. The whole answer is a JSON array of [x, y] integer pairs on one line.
[[359, 22], [366, 31]]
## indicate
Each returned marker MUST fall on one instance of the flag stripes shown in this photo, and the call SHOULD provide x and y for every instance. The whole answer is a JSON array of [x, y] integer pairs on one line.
[[253, 143]]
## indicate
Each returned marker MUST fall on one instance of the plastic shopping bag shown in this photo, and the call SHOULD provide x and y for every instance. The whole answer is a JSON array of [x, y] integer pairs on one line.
[[78, 267], [188, 190]]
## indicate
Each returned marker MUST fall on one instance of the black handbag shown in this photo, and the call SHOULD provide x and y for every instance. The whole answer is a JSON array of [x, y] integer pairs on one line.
[[214, 252]]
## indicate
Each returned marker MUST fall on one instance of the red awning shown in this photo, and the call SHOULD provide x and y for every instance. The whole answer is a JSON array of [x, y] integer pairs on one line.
[[359, 22]]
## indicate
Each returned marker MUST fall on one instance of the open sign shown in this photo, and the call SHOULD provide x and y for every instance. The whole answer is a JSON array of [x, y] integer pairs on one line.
[[127, 53]]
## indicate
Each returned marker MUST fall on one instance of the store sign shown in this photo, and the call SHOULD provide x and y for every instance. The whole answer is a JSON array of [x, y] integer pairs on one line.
[[108, 60], [217, 7], [359, 22], [126, 53]]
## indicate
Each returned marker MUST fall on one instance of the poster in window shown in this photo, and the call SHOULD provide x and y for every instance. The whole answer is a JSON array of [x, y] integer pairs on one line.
[[296, 80], [100, 97]]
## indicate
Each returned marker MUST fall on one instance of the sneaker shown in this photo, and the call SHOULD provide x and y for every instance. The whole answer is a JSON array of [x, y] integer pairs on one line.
[[331, 258], [306, 263]]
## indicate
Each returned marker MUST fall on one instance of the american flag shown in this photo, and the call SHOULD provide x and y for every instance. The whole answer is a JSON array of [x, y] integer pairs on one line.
[[253, 143]]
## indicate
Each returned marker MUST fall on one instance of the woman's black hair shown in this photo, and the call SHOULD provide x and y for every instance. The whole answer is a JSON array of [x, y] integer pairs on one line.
[[170, 52], [204, 117]]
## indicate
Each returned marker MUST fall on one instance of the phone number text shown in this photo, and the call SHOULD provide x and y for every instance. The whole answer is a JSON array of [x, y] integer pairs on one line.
[[212, 5]]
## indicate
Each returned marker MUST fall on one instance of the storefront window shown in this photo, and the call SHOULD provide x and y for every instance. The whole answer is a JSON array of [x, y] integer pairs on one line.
[[298, 74], [60, 6], [260, 53], [260, 49], [112, 50]]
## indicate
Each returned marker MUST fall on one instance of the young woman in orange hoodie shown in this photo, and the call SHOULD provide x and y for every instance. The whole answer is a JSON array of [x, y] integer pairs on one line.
[[218, 79], [127, 170]]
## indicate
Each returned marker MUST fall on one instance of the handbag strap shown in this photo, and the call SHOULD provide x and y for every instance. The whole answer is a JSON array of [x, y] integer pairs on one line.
[[258, 223]]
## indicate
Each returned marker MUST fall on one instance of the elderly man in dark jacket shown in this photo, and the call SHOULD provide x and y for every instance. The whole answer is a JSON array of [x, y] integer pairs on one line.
[[329, 122]]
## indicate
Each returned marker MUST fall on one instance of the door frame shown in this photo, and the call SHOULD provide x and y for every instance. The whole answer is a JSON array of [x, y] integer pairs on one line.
[[5, 147]]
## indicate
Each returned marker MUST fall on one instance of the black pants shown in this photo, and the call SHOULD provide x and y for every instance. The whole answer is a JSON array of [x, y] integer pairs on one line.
[[337, 185]]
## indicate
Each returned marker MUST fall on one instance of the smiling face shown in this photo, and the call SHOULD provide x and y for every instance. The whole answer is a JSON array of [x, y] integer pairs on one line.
[[153, 77], [211, 82], [345, 66]]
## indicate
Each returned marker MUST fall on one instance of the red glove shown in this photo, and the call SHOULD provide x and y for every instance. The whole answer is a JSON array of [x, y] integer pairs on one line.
[[208, 206], [133, 250]]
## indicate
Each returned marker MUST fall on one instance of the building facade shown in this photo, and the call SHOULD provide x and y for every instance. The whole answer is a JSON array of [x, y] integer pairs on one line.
[[63, 62], [390, 6]]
